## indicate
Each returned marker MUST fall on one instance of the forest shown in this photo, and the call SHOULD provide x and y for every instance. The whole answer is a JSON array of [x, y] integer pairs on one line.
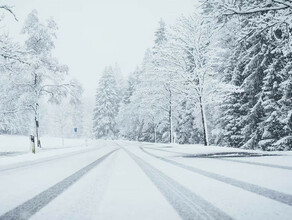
[[134, 109], [222, 76]]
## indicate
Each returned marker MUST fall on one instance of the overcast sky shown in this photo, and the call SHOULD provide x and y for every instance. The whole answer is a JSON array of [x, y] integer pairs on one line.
[[96, 33]]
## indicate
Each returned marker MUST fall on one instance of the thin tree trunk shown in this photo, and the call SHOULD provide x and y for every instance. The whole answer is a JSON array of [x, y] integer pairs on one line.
[[170, 118], [36, 130], [36, 116], [36, 119], [155, 139], [205, 131]]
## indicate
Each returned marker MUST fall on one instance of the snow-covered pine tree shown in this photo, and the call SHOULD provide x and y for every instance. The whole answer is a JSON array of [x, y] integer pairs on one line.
[[128, 121], [243, 107], [251, 103], [160, 35], [148, 100], [106, 106], [271, 127], [187, 129], [262, 47], [132, 82], [229, 120], [277, 104], [285, 142]]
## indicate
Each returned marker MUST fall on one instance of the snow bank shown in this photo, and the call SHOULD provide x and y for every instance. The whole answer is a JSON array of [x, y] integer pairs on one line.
[[17, 143]]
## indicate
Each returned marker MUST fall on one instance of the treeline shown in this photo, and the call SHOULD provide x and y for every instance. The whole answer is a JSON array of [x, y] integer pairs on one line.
[[222, 76], [31, 77]]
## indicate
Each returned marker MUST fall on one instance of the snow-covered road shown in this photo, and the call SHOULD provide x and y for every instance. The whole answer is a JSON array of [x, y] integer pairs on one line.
[[128, 180]]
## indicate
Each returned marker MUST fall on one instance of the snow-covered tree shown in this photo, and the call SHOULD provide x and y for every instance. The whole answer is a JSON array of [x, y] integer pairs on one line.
[[146, 102], [106, 106], [185, 54], [14, 116], [254, 112], [45, 77], [128, 120], [188, 130]]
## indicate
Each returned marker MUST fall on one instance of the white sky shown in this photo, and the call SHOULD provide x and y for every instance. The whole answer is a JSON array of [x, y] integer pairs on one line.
[[96, 33]]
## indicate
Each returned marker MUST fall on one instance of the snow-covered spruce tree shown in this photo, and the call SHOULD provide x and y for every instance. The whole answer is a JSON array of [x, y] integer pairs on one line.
[[106, 106], [160, 36], [147, 102], [271, 94], [128, 120], [277, 105], [132, 82], [285, 142], [141, 108], [146, 113], [149, 99], [248, 75], [263, 44], [229, 120]]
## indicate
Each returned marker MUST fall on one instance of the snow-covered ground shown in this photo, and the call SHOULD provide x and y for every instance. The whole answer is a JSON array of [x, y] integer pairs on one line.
[[131, 180], [17, 149], [18, 143]]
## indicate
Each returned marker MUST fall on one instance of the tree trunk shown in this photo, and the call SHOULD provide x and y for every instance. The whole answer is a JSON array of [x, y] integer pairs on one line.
[[205, 131], [155, 132], [36, 119], [170, 118], [36, 113], [36, 130]]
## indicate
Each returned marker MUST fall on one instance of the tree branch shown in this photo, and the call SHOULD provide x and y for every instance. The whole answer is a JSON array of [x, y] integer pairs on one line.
[[8, 8]]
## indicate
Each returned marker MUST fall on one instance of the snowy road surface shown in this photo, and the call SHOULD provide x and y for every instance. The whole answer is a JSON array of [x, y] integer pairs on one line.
[[128, 180]]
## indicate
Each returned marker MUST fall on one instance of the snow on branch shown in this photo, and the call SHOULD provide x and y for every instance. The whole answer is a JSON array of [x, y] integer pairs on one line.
[[257, 10], [9, 9], [278, 5]]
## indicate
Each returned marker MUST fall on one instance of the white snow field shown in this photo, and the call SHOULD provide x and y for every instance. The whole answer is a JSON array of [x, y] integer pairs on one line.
[[131, 180]]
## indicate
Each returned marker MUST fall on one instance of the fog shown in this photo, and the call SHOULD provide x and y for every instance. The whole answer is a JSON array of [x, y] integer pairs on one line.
[[93, 34]]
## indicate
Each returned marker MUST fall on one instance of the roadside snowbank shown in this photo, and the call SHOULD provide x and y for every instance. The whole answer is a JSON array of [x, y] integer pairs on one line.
[[16, 149]]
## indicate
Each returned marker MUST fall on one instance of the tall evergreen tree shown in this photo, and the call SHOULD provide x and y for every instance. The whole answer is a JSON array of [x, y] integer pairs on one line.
[[106, 106], [160, 34], [258, 72]]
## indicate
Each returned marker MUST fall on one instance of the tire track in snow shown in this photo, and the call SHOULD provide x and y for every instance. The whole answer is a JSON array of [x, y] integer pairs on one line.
[[187, 204], [227, 159], [33, 205], [163, 150], [258, 164], [262, 191]]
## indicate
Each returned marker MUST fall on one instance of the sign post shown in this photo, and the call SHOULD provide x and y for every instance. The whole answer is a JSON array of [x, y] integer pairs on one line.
[[32, 143], [75, 131]]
